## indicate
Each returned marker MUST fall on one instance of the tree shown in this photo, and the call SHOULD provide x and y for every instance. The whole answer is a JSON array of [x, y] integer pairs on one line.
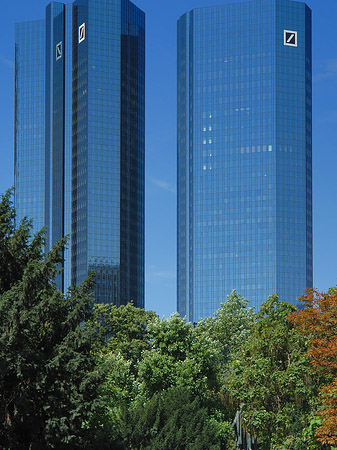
[[48, 380], [231, 325], [124, 336], [124, 330], [186, 358], [318, 322], [271, 377], [180, 355], [172, 419]]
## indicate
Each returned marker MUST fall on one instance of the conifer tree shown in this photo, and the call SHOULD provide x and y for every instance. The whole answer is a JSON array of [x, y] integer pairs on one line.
[[47, 369]]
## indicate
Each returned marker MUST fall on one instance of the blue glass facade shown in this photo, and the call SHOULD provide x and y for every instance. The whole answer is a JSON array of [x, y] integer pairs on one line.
[[244, 154], [29, 154], [94, 144]]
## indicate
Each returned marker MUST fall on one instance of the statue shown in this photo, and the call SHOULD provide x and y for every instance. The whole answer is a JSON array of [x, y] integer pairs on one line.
[[244, 441]]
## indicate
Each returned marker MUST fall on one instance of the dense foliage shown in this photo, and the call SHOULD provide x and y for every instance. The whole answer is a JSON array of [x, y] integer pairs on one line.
[[172, 419], [78, 376], [271, 378], [318, 321], [48, 383]]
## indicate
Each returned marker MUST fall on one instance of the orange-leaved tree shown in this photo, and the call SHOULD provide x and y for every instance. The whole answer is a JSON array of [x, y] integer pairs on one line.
[[318, 321]]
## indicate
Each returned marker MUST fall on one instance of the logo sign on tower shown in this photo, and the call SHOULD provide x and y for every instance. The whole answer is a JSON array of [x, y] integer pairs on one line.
[[59, 51], [290, 38], [81, 33]]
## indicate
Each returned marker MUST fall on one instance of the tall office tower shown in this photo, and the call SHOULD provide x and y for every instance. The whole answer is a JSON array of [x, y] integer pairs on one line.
[[244, 154], [79, 140]]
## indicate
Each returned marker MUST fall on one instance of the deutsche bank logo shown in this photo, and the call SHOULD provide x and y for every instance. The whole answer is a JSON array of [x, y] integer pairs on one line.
[[59, 51], [81, 33], [290, 38]]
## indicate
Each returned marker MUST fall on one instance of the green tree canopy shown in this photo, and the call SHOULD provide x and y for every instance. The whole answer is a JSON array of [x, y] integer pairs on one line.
[[180, 355], [124, 330], [231, 325], [171, 419], [271, 377], [47, 369], [124, 336]]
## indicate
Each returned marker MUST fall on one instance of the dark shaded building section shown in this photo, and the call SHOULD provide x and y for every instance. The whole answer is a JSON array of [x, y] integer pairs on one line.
[[80, 112], [107, 284], [132, 163], [91, 84]]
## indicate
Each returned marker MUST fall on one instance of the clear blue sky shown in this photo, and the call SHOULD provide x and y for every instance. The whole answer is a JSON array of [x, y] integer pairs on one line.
[[161, 134]]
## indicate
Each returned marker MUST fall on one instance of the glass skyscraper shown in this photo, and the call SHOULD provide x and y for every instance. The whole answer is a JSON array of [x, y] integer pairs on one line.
[[244, 154], [79, 140]]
